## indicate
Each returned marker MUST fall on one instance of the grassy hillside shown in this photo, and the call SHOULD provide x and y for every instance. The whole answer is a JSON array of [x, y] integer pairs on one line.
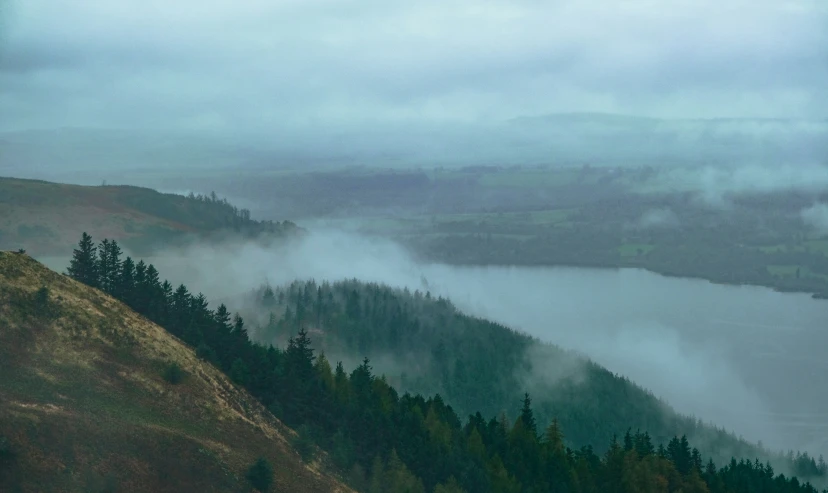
[[46, 218], [86, 405]]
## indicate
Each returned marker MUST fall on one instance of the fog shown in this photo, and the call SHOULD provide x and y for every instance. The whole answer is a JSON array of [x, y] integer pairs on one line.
[[816, 217], [658, 218], [398, 83], [716, 185], [745, 358]]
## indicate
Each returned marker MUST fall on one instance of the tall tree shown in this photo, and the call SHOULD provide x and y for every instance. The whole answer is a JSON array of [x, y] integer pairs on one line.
[[114, 268], [125, 285], [83, 267], [526, 415], [103, 265]]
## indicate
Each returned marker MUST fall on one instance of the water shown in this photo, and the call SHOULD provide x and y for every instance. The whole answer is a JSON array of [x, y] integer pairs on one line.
[[746, 358]]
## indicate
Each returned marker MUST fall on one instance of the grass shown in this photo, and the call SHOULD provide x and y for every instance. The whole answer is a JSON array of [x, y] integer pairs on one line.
[[773, 249], [85, 402], [536, 218], [47, 218], [790, 271], [819, 245], [635, 249], [529, 178]]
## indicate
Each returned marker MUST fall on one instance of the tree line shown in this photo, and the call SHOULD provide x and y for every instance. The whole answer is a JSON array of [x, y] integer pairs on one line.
[[382, 441], [479, 365]]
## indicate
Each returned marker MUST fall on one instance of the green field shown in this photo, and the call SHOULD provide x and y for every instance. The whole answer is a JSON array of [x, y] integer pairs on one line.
[[634, 249]]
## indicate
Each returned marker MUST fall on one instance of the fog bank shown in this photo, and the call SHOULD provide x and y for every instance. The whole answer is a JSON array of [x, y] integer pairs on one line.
[[724, 354]]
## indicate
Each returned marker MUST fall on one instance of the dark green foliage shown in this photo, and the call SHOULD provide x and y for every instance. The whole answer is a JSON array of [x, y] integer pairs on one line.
[[260, 475], [387, 442], [239, 372], [173, 373], [41, 298], [7, 453], [478, 365], [84, 267], [206, 353], [304, 443]]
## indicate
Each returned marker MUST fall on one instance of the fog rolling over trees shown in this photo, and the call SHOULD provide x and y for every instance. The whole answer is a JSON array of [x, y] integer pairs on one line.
[[358, 417], [688, 341], [507, 246]]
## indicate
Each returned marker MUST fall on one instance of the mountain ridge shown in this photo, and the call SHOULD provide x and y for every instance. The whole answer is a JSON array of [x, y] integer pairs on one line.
[[85, 406]]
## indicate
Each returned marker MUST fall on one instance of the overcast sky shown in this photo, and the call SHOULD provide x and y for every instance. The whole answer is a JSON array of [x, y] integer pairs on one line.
[[257, 64]]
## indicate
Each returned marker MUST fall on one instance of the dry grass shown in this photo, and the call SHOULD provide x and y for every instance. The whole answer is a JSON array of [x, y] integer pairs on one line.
[[84, 403], [48, 218]]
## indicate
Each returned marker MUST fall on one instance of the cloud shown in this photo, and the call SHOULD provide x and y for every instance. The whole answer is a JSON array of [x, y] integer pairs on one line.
[[715, 184], [658, 218], [816, 217], [684, 340], [269, 65]]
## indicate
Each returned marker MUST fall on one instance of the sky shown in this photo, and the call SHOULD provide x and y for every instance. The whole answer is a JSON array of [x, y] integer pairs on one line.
[[261, 65]]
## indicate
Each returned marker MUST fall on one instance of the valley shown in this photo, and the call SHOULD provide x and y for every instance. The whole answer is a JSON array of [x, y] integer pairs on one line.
[[413, 247]]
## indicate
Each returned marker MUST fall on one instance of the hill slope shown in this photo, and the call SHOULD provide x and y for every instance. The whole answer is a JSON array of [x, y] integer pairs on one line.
[[478, 365], [46, 218], [84, 405]]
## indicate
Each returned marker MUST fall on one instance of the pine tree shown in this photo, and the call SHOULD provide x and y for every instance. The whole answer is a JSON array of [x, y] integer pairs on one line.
[[103, 265], [139, 295], [83, 267], [109, 265], [554, 438], [180, 307], [260, 475], [527, 417], [125, 286], [239, 372], [114, 267], [300, 357]]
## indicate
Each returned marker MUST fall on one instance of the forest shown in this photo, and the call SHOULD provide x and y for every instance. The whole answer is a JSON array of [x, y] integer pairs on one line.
[[382, 441]]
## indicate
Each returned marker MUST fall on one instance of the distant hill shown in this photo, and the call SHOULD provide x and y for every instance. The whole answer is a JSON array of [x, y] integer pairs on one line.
[[86, 402], [423, 344], [46, 218]]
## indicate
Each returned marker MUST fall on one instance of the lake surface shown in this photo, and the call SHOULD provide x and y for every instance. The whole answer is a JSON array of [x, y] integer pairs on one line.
[[746, 358]]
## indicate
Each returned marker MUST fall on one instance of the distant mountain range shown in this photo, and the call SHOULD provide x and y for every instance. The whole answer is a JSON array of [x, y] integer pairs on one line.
[[85, 155]]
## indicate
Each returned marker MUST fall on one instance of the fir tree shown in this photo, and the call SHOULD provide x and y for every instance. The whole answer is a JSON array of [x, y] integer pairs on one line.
[[103, 265], [125, 285], [527, 417], [260, 475], [83, 267]]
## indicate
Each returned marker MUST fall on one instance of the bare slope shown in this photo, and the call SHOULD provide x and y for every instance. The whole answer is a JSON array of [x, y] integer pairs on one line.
[[84, 405], [47, 218]]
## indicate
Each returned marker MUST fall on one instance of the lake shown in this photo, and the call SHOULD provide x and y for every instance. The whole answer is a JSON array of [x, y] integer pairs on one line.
[[746, 358]]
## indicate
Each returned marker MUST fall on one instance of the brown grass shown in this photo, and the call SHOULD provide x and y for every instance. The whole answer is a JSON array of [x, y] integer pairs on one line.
[[60, 213], [84, 404]]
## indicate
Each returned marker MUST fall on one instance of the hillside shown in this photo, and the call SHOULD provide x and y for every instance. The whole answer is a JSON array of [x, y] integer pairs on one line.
[[85, 405], [46, 218], [384, 442], [423, 344]]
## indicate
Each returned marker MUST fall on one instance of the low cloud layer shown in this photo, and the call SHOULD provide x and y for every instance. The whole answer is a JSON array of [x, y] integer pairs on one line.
[[658, 218], [724, 354], [262, 66], [715, 184], [816, 217]]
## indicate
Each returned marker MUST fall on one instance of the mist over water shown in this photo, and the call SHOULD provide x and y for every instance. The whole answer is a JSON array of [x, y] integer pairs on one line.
[[745, 358]]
